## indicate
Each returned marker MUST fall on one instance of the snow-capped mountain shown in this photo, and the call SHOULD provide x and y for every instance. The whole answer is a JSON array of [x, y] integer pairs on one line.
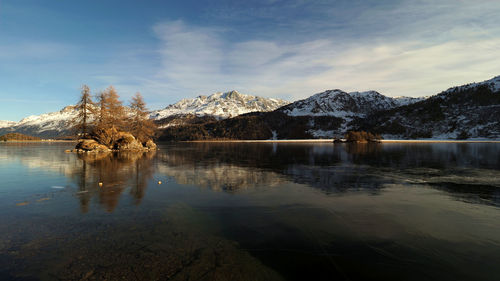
[[493, 84], [45, 125], [341, 104], [5, 123], [220, 105], [469, 111]]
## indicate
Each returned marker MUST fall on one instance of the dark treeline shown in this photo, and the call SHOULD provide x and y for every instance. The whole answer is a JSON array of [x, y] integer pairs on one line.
[[256, 126]]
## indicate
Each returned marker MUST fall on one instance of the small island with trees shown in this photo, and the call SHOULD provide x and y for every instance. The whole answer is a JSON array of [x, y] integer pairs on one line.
[[18, 137], [106, 125]]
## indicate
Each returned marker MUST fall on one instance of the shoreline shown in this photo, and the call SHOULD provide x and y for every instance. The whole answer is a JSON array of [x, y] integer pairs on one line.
[[331, 141], [441, 141], [276, 141], [37, 141]]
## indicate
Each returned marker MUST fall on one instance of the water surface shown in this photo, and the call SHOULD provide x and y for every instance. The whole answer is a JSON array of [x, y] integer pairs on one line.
[[251, 211]]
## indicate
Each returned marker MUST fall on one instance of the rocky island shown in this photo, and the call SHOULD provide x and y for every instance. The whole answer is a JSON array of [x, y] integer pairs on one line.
[[119, 141], [107, 125]]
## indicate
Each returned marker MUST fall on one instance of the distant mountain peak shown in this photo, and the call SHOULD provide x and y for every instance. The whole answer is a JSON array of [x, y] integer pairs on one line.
[[231, 95], [342, 104], [493, 84], [6, 123], [220, 105]]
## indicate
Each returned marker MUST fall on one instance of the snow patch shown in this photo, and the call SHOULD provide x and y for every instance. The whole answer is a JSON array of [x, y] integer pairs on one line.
[[6, 124]]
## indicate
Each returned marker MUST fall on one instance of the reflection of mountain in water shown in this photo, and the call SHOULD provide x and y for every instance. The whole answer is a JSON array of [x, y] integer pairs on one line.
[[468, 171], [39, 155], [233, 166], [221, 177], [107, 176], [453, 168]]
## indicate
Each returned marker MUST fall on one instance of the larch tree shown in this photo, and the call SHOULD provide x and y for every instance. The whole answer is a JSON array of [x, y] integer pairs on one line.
[[140, 125], [114, 126], [85, 113], [110, 118], [111, 113], [116, 112], [101, 114]]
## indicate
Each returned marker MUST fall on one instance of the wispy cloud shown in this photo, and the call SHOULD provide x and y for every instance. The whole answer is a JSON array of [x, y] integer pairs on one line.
[[201, 59], [277, 48]]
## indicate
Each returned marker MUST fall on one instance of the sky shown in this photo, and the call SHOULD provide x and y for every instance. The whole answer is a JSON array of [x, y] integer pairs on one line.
[[169, 50]]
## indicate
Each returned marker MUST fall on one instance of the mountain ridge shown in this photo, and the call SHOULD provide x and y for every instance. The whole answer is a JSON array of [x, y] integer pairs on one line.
[[344, 104], [457, 113], [323, 115], [221, 105]]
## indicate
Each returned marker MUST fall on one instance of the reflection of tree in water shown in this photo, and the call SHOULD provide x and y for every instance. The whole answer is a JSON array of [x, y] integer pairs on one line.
[[360, 149], [106, 176]]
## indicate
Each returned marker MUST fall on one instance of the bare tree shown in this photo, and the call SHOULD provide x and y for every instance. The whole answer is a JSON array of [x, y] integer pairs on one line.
[[140, 125], [86, 111]]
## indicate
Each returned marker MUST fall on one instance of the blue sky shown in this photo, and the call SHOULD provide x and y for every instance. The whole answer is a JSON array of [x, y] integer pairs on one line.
[[169, 50]]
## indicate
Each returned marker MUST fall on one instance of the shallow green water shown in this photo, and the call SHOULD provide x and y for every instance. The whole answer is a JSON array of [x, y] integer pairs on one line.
[[251, 211]]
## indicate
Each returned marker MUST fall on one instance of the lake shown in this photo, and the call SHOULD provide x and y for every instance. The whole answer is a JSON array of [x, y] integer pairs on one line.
[[251, 211]]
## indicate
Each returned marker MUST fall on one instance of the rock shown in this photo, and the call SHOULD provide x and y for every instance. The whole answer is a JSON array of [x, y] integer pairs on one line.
[[106, 136], [112, 140], [87, 145], [127, 141], [150, 145]]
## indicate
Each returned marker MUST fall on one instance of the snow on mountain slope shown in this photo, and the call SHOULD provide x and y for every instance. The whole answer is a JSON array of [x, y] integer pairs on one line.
[[50, 120], [467, 111], [221, 105], [401, 101], [44, 125], [341, 104], [5, 123], [493, 84]]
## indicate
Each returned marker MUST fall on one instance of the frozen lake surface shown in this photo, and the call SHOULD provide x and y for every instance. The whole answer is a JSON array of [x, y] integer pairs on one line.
[[251, 211]]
